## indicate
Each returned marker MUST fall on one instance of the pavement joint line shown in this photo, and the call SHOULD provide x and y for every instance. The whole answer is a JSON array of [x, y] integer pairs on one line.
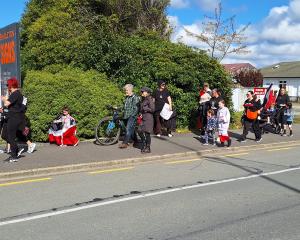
[[141, 196], [183, 161], [84, 167], [112, 170], [278, 149], [24, 182]]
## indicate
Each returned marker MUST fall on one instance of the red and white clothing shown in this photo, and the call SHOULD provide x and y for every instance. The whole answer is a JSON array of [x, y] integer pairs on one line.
[[66, 135], [223, 117]]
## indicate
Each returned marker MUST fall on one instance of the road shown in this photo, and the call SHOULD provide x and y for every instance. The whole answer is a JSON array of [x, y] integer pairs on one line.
[[244, 195]]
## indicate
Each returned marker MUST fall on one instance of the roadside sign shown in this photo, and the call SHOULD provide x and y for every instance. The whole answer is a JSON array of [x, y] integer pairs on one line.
[[260, 91], [9, 55]]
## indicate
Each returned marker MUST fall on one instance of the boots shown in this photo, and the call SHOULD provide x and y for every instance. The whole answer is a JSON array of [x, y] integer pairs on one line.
[[146, 149]]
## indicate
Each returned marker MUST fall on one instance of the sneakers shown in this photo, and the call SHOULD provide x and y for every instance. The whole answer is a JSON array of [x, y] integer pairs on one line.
[[11, 159], [205, 144], [158, 135], [258, 140], [20, 152], [291, 135], [146, 150], [31, 148], [243, 140], [170, 135]]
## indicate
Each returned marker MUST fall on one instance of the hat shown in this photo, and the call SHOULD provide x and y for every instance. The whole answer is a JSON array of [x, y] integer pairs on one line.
[[160, 82], [146, 89]]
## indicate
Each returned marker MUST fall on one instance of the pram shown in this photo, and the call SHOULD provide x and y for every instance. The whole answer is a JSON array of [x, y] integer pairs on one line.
[[269, 121]]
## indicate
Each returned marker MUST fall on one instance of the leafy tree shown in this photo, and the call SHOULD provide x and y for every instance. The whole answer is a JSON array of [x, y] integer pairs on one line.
[[249, 78], [221, 35], [128, 43]]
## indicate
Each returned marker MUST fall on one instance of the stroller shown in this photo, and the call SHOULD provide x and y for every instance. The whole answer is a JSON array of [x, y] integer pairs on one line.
[[269, 121]]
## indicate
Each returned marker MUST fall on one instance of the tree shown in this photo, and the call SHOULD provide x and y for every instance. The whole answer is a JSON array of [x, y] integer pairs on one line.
[[249, 78], [221, 36]]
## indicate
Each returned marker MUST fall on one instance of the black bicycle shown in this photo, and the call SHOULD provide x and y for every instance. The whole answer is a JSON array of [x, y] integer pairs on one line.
[[109, 128]]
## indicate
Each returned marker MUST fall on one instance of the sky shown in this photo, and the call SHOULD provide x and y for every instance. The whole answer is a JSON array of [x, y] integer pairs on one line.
[[273, 35]]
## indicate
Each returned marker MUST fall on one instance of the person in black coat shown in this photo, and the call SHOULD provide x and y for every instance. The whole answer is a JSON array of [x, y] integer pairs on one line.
[[252, 107], [145, 119], [281, 103], [162, 96], [214, 101]]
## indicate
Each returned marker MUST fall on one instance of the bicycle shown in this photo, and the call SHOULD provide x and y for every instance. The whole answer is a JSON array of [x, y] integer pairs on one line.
[[109, 128]]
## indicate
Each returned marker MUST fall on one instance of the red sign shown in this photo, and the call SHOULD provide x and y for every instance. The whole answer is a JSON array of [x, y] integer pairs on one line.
[[260, 91]]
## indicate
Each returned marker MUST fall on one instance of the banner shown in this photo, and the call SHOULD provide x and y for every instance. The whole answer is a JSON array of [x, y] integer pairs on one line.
[[9, 55]]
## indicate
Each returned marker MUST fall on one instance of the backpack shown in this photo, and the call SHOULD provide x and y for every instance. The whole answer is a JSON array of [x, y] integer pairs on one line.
[[251, 115]]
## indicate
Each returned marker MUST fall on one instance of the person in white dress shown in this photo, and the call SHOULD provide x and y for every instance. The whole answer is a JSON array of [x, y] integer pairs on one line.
[[223, 117]]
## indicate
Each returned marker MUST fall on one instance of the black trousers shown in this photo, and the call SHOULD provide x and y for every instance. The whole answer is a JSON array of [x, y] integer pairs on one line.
[[146, 138], [255, 126], [15, 123]]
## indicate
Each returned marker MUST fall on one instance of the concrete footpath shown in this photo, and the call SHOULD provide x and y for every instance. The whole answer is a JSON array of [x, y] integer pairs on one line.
[[51, 159]]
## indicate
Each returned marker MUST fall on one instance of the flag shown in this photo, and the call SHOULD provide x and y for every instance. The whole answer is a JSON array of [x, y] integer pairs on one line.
[[269, 97], [64, 134]]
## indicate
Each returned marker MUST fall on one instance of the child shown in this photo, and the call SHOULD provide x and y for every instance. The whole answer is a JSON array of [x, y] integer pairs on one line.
[[65, 135], [270, 112], [288, 119], [223, 117], [210, 127]]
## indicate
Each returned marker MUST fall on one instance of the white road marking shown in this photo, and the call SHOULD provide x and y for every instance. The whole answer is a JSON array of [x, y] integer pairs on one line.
[[75, 209]]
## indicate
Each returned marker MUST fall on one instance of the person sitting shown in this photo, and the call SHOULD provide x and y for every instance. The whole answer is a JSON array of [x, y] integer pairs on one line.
[[63, 130]]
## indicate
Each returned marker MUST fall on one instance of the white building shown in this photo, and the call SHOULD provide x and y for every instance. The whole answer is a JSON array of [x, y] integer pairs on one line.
[[286, 75]]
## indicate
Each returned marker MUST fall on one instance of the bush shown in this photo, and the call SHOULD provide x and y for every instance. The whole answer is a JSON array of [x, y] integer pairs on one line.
[[86, 94], [143, 61]]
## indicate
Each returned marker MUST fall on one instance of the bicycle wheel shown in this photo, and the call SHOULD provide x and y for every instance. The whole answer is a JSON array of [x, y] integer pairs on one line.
[[107, 132]]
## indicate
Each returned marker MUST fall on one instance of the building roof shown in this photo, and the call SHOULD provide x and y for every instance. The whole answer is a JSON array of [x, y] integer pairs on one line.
[[282, 70], [235, 67]]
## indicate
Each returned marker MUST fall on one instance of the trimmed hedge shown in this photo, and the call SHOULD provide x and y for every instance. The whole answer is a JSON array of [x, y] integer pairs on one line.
[[86, 94]]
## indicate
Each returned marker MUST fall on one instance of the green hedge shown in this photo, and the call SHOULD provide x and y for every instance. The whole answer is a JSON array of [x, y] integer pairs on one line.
[[86, 94]]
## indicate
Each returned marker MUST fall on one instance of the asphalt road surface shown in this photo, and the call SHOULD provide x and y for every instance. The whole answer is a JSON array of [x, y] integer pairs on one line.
[[252, 194]]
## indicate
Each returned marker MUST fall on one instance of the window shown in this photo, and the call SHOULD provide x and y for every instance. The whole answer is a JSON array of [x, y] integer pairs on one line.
[[282, 84]]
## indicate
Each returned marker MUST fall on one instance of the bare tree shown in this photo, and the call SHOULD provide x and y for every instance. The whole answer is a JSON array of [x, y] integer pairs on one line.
[[222, 36]]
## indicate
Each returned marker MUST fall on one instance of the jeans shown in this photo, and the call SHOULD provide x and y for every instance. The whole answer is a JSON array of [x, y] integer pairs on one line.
[[130, 127], [210, 133]]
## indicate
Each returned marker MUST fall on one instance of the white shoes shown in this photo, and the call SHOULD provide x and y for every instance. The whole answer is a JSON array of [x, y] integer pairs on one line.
[[31, 148]]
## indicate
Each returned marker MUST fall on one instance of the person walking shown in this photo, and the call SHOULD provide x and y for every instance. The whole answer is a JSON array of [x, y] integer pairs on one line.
[[131, 110], [282, 101], [162, 97], [251, 112], [223, 118], [16, 117], [146, 120]]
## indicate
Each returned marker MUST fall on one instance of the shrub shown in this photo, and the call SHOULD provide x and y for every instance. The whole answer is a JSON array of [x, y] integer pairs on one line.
[[86, 94]]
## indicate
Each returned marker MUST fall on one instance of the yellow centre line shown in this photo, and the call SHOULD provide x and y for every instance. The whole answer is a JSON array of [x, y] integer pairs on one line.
[[236, 154], [111, 170], [24, 182], [182, 161], [278, 149]]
